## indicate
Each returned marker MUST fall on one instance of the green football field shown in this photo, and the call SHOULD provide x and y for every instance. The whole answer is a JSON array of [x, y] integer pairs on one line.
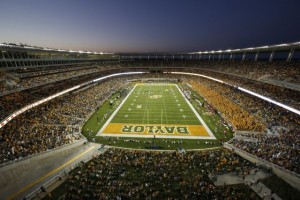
[[156, 108], [156, 104]]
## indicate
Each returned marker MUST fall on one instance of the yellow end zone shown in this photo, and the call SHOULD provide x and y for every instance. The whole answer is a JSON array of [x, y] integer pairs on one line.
[[155, 129]]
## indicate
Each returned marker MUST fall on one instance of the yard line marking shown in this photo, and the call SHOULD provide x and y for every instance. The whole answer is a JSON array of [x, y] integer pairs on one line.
[[161, 115], [197, 114], [165, 108], [146, 107], [114, 113], [152, 109]]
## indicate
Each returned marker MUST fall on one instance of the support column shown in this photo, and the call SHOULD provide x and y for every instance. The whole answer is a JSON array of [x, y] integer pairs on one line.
[[271, 56], [290, 56], [230, 57], [256, 56], [6, 56], [244, 56], [220, 55]]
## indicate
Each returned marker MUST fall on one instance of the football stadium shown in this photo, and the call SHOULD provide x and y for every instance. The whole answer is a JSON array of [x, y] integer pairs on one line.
[[149, 124]]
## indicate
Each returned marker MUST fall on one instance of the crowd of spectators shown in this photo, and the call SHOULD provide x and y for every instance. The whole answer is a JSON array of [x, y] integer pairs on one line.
[[54, 123], [31, 72], [14, 101], [1, 75], [48, 76], [129, 174], [270, 114], [250, 75], [239, 118], [277, 70], [279, 146], [278, 93], [231, 72], [29, 82], [281, 149], [242, 111], [5, 82], [2, 81]]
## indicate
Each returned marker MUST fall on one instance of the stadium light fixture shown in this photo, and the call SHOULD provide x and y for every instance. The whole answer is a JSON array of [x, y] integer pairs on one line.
[[117, 74], [281, 45], [270, 100], [25, 46], [253, 48], [194, 74]]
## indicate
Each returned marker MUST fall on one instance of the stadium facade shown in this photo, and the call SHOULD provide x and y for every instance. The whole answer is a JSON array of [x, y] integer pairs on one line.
[[31, 77], [13, 56]]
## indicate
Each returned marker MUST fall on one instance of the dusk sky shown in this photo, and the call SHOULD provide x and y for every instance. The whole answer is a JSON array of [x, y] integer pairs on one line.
[[149, 26]]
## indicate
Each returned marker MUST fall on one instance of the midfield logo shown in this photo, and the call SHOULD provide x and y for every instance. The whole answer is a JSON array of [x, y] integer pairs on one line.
[[155, 129]]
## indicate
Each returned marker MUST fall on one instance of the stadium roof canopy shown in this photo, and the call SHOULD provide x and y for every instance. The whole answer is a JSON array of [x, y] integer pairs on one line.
[[25, 47], [277, 47], [289, 48], [269, 48]]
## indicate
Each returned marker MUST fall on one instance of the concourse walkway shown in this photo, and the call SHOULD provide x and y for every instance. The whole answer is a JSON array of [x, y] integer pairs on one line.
[[258, 187], [25, 177]]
